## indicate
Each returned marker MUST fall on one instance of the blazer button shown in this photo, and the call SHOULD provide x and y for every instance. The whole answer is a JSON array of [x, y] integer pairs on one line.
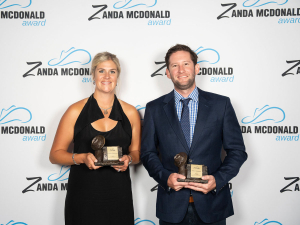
[[190, 160]]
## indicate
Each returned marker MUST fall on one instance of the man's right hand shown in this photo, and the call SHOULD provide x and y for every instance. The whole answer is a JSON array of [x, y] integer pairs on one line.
[[174, 184]]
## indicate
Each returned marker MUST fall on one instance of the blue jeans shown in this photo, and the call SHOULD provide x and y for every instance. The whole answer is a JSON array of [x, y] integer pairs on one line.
[[192, 218]]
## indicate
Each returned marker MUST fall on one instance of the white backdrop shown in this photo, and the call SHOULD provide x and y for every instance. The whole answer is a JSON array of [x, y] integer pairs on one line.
[[252, 44]]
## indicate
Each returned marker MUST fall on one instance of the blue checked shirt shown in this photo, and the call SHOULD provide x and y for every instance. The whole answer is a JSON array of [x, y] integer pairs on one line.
[[193, 109]]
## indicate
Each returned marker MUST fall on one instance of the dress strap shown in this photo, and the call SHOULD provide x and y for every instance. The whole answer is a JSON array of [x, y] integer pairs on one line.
[[118, 114], [90, 113]]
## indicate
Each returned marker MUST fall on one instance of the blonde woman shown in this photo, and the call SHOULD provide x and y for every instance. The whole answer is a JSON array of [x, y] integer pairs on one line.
[[99, 195]]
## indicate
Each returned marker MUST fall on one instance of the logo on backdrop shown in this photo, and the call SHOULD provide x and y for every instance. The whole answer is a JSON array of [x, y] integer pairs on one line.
[[20, 115], [266, 221], [141, 222], [61, 64], [208, 58], [61, 176], [258, 3], [134, 10], [134, 3], [294, 68], [292, 186], [30, 18], [14, 223], [14, 113], [259, 9], [71, 56], [9, 3], [55, 181], [141, 111], [230, 188], [271, 115], [265, 113]]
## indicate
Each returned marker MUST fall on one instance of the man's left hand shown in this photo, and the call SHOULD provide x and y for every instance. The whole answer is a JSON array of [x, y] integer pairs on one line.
[[205, 188]]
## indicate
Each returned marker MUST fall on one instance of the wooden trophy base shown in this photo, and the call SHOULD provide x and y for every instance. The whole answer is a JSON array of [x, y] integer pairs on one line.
[[109, 163], [195, 180]]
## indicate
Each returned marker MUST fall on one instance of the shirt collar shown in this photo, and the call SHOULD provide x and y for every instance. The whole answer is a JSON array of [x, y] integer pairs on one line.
[[194, 96]]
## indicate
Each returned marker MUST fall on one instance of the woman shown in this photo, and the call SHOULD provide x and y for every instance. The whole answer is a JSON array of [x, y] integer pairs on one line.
[[99, 195]]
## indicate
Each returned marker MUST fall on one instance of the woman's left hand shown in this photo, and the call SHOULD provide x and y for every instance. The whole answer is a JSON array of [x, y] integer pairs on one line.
[[122, 168]]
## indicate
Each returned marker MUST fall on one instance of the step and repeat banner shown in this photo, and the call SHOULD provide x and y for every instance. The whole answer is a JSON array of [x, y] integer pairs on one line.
[[248, 50]]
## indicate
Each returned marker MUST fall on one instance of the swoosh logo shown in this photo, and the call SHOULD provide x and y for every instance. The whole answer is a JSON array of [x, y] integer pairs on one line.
[[71, 56], [259, 3], [14, 113], [139, 108], [139, 221], [266, 221], [211, 55], [132, 3], [60, 176], [7, 3], [266, 113], [11, 223]]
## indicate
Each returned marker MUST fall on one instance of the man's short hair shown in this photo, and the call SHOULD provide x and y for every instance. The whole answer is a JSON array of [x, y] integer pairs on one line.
[[177, 48]]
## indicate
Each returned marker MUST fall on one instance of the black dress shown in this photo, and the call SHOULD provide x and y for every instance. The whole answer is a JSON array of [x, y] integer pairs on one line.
[[101, 196]]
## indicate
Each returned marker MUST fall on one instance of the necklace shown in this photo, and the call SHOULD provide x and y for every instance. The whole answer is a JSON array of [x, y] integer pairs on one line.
[[105, 110]]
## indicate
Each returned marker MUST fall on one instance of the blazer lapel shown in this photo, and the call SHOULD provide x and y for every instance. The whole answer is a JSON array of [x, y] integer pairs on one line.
[[203, 112], [171, 113]]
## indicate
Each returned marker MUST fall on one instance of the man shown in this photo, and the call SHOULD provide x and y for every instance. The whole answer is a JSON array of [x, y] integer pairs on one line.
[[198, 123]]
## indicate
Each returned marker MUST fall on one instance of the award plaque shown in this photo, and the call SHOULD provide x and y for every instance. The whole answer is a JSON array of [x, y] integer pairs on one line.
[[108, 155], [192, 172]]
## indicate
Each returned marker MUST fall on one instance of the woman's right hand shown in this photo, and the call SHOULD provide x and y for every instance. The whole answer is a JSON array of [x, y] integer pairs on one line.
[[89, 159]]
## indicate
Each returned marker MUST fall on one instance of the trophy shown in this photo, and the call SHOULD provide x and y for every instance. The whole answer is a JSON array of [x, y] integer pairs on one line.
[[192, 172], [108, 155]]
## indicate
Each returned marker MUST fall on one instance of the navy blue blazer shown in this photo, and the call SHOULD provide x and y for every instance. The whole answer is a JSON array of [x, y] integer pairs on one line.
[[162, 139]]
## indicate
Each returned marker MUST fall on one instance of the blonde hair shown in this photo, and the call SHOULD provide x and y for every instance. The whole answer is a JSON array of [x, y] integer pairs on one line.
[[102, 57]]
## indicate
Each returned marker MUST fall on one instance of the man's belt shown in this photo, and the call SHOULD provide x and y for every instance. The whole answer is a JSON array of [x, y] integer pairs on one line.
[[191, 199]]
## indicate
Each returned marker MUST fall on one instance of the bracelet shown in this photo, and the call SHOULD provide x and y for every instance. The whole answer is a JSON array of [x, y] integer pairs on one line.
[[130, 159], [74, 159]]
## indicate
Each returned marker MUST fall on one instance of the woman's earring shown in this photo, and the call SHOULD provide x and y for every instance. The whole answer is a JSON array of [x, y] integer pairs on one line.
[[93, 82]]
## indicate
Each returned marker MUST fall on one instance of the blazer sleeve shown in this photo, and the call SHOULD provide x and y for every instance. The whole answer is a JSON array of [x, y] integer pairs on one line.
[[149, 152], [234, 146]]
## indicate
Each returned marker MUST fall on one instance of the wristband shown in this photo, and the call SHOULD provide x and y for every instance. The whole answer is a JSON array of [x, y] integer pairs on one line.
[[130, 159], [74, 159]]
